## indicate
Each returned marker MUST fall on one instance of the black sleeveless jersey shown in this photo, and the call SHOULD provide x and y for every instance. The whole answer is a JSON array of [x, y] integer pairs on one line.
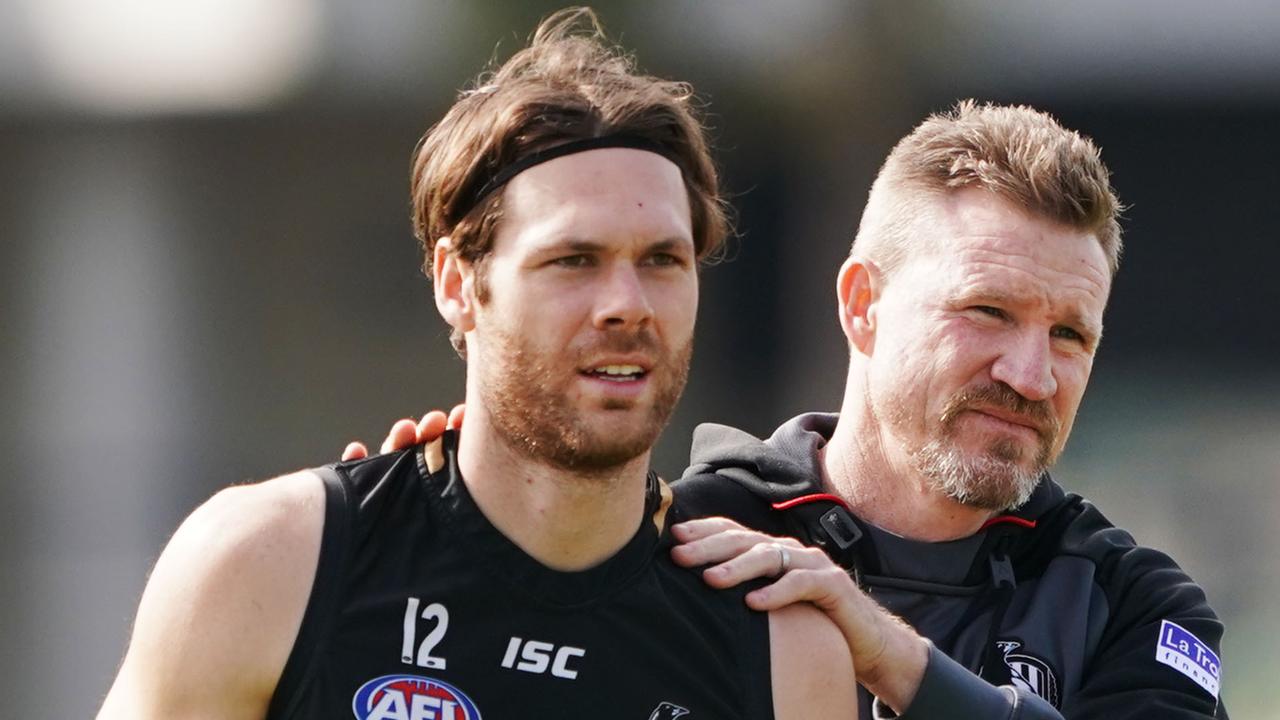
[[422, 610]]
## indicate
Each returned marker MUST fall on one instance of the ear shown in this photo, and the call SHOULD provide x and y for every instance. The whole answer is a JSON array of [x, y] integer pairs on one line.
[[453, 280], [858, 289]]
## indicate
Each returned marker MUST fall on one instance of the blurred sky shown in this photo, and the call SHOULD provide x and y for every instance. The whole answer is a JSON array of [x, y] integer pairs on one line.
[[207, 274]]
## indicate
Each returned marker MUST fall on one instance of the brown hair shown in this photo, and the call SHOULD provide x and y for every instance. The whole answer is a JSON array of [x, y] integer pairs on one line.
[[1021, 154], [567, 85]]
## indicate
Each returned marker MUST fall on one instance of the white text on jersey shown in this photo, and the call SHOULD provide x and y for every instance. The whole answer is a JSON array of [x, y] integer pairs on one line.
[[536, 656]]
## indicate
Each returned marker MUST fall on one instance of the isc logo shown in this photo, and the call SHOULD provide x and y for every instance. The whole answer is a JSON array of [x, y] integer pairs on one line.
[[536, 656], [410, 697]]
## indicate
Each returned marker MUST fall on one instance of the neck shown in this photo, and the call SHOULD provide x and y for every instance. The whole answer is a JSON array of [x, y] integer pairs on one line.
[[882, 487], [567, 521]]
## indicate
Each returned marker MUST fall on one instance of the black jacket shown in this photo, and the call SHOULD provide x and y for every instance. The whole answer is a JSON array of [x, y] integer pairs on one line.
[[1047, 612]]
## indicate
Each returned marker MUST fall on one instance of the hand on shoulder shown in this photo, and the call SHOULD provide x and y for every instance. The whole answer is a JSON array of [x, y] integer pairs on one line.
[[889, 655], [406, 433]]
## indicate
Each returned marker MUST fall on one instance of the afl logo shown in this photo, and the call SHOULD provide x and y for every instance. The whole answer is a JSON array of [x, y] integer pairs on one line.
[[411, 697]]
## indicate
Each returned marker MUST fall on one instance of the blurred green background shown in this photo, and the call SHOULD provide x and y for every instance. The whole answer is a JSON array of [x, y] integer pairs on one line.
[[207, 274]]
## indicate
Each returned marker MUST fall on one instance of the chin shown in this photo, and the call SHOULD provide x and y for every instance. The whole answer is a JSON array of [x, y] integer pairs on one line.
[[997, 478], [603, 456]]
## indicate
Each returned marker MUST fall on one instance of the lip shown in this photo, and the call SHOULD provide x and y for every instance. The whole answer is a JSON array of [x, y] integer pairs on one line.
[[644, 362], [1007, 418], [616, 389]]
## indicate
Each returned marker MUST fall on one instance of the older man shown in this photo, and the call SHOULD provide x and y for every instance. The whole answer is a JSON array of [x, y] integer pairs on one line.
[[966, 582], [972, 303]]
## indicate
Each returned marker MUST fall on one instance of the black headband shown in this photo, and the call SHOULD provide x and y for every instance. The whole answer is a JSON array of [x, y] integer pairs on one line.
[[501, 178]]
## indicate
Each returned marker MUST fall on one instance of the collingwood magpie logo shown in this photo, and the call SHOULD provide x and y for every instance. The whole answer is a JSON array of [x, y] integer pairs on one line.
[[1030, 673], [667, 711]]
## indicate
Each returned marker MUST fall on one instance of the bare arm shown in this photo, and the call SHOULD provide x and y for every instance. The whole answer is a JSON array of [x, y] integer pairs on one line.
[[813, 673], [889, 655], [223, 605]]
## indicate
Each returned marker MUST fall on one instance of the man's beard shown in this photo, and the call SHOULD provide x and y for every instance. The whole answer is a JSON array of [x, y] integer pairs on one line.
[[998, 477], [527, 395]]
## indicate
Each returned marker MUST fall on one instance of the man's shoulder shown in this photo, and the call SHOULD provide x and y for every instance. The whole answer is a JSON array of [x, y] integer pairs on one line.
[[1155, 614], [713, 494], [735, 474], [1127, 570], [260, 524], [1144, 587], [1085, 531], [223, 604], [250, 550], [1075, 527]]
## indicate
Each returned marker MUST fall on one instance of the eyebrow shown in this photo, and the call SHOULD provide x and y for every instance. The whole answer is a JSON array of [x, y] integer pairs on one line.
[[672, 244], [583, 245], [575, 244]]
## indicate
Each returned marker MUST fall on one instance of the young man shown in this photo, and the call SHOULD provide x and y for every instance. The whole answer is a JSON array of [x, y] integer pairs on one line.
[[972, 304], [564, 207]]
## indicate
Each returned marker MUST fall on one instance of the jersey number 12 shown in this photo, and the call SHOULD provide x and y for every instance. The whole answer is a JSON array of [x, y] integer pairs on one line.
[[433, 612]]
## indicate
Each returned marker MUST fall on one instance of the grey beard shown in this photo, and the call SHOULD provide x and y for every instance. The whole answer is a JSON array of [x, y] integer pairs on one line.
[[991, 481]]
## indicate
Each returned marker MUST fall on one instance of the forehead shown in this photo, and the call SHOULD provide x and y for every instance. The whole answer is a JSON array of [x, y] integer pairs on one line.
[[984, 244], [610, 194]]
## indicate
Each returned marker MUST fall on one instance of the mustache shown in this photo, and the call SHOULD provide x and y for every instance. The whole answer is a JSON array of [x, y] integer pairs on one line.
[[621, 342], [1036, 413]]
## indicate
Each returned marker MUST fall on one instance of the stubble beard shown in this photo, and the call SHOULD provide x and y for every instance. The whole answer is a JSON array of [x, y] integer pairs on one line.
[[998, 477], [527, 397]]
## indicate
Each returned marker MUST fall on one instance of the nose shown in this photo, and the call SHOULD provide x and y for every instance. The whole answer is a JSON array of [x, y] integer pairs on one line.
[[624, 300], [1026, 365]]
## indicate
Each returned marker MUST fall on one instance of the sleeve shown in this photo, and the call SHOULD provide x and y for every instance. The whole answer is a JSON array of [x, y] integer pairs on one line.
[[1159, 653], [948, 691]]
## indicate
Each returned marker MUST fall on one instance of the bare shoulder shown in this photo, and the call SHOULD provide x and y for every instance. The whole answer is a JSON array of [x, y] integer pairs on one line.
[[813, 673], [248, 526], [224, 604]]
